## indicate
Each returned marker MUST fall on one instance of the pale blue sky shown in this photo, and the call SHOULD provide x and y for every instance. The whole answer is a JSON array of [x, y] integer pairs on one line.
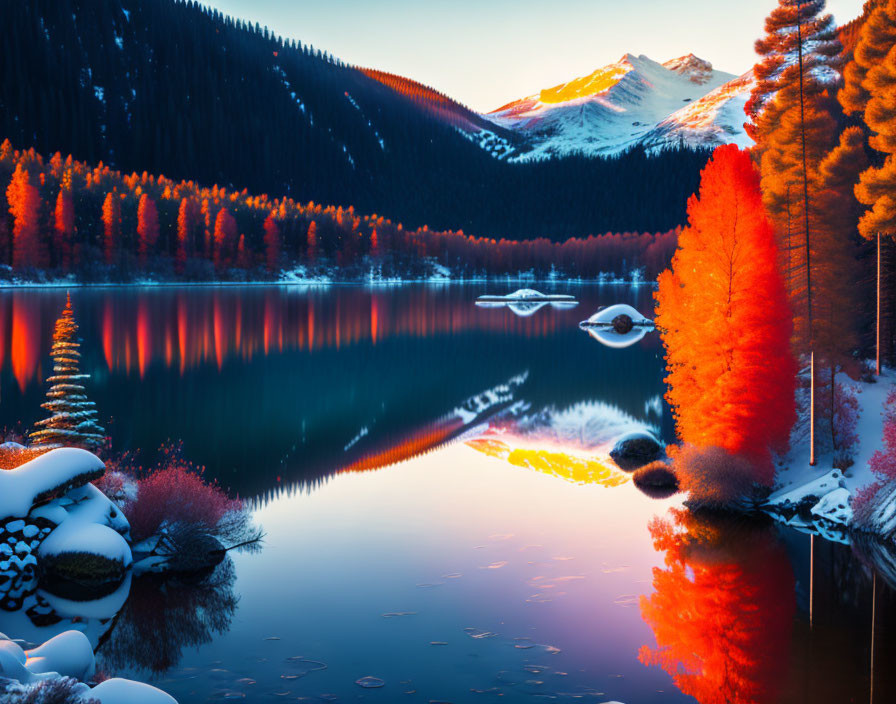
[[485, 54]]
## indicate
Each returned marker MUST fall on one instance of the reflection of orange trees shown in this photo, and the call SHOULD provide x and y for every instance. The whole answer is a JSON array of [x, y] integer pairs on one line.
[[722, 609], [424, 440], [554, 461], [187, 330], [163, 616]]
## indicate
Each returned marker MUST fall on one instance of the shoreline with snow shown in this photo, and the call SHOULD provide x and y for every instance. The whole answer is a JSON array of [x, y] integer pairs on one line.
[[820, 499]]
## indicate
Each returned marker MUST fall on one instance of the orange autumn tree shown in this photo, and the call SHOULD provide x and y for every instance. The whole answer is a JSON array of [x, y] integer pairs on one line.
[[725, 321], [721, 610], [24, 206]]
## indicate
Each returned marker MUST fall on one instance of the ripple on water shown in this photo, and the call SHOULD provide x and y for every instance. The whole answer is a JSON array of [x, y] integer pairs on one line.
[[369, 682], [478, 633], [300, 666]]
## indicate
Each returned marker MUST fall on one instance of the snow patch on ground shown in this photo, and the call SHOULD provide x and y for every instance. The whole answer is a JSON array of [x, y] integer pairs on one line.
[[823, 492]]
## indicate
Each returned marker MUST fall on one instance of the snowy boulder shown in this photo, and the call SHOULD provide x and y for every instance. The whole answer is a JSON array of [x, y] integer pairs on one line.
[[636, 449], [69, 654], [87, 551], [46, 477], [119, 691]]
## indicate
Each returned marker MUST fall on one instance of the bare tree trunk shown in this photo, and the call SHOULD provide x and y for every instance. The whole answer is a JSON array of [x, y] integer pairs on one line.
[[877, 326]]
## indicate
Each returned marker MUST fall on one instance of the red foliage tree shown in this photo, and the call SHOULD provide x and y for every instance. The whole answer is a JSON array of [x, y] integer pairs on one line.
[[187, 220], [64, 227], [147, 226], [725, 320], [112, 226], [272, 243], [311, 244], [25, 205], [225, 238]]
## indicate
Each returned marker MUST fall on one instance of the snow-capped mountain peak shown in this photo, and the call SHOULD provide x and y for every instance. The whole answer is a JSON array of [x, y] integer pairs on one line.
[[622, 104], [692, 67]]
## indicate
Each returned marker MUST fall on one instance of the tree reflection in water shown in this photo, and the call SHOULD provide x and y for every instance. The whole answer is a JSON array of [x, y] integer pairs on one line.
[[165, 614], [722, 610]]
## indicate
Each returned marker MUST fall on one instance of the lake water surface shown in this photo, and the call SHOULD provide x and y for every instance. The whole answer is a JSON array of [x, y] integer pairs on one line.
[[441, 518]]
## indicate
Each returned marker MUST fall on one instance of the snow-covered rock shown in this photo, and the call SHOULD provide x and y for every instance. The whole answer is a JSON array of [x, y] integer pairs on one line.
[[44, 477], [632, 102], [93, 524]]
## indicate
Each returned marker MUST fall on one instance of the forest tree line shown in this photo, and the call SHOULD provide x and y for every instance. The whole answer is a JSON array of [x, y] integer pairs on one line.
[[63, 218]]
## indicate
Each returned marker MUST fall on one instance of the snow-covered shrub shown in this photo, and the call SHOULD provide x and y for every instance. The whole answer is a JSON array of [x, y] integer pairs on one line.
[[712, 476], [56, 690], [176, 493]]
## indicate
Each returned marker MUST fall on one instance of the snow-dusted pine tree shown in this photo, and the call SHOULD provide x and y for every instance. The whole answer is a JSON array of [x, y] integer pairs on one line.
[[73, 418]]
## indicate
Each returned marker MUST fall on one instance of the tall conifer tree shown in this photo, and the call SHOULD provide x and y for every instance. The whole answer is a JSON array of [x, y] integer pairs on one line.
[[73, 418]]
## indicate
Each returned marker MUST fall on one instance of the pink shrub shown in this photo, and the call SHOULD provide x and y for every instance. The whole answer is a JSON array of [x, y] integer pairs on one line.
[[863, 503], [883, 463], [712, 476], [176, 493]]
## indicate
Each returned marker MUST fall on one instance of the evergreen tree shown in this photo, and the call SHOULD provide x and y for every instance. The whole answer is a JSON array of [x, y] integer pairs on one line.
[[870, 93], [794, 132], [73, 418]]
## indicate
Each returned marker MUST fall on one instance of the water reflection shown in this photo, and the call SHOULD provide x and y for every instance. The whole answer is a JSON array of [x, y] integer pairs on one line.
[[722, 608], [299, 383], [164, 615]]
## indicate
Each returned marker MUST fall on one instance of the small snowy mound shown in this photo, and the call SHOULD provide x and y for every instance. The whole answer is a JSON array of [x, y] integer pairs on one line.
[[119, 691], [69, 654]]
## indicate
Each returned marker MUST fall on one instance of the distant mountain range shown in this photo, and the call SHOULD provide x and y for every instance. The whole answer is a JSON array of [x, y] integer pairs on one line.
[[172, 87], [635, 102]]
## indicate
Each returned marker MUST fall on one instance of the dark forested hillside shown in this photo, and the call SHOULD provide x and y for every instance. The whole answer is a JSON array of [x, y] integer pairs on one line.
[[170, 87]]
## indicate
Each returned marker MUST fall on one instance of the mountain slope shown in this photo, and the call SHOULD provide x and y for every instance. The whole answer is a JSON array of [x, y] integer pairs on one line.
[[633, 102], [171, 87]]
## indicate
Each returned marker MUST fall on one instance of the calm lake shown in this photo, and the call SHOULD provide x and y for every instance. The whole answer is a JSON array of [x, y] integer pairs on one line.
[[442, 523]]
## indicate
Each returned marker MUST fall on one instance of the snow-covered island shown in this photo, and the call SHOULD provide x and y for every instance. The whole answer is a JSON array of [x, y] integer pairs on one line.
[[617, 326], [527, 295]]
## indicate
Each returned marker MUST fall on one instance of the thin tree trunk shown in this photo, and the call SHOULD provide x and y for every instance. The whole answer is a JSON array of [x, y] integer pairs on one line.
[[799, 39], [877, 326]]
